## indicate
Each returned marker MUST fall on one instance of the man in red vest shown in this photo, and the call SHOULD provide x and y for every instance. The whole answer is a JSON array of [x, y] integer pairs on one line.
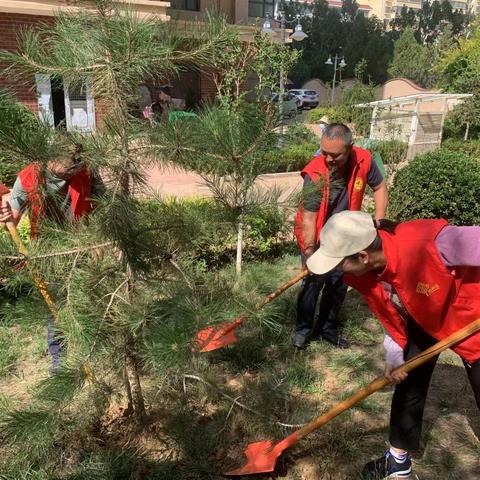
[[335, 180], [421, 279], [61, 192]]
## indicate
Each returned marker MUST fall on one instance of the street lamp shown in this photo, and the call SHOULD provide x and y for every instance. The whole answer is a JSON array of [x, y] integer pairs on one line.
[[341, 65], [298, 35]]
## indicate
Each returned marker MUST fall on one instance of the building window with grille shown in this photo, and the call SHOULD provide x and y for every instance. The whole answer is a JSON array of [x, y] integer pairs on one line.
[[260, 8], [193, 5]]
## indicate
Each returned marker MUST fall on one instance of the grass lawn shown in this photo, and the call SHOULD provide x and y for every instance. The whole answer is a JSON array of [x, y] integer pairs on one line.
[[196, 427]]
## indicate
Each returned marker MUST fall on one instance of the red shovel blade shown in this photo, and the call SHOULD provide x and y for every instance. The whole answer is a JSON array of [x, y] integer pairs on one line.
[[213, 338], [218, 336], [262, 456]]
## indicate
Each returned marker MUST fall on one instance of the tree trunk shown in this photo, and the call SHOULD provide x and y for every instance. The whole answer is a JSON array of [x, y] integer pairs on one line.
[[239, 245], [133, 385], [465, 138]]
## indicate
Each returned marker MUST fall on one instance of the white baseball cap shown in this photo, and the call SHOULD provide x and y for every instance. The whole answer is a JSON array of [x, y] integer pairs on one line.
[[344, 234]]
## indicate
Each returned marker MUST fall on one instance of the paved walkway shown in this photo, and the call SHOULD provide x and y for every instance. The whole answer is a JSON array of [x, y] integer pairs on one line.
[[172, 182]]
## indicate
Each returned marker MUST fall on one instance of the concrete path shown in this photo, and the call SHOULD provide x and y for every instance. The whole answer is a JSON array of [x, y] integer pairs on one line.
[[173, 182]]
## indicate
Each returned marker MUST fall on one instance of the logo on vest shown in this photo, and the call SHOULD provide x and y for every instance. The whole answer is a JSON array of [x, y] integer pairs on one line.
[[358, 185], [426, 289]]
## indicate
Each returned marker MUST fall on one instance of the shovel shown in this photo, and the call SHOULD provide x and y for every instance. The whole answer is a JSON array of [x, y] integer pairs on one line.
[[39, 283], [219, 336], [262, 456]]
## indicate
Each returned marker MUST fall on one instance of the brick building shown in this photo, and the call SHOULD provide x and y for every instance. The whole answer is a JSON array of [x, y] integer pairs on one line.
[[78, 109]]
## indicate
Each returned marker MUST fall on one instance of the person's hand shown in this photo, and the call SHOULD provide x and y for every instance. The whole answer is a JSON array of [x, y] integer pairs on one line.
[[394, 377], [6, 213], [307, 253]]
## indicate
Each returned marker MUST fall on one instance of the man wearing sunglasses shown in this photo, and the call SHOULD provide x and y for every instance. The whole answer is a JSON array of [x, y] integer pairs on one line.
[[334, 181]]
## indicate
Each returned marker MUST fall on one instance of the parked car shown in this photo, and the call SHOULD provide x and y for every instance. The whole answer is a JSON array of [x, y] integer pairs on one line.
[[307, 98], [290, 102]]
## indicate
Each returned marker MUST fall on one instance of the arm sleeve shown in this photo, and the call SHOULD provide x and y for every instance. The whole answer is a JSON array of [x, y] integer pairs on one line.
[[374, 176], [393, 352], [459, 246], [311, 196], [18, 197]]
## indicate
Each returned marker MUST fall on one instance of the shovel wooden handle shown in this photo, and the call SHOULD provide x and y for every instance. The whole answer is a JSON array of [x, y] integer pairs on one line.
[[40, 284], [382, 381], [282, 288]]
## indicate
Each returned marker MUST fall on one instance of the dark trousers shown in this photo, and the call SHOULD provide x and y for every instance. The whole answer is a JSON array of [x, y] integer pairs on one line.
[[409, 397], [333, 294], [55, 342]]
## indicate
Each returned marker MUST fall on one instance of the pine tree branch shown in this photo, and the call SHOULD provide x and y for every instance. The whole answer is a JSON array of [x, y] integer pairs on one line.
[[235, 401]]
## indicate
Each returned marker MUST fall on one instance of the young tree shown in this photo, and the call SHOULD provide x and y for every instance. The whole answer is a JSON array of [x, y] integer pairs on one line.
[[227, 143], [101, 298]]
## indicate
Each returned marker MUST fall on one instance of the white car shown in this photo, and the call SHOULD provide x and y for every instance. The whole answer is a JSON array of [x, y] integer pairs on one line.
[[307, 98], [290, 103]]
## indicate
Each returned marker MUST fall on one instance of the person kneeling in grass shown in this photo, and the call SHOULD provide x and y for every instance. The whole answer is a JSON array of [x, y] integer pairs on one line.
[[421, 279]]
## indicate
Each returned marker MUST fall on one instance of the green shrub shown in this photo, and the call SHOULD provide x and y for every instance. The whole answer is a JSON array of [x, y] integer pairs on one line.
[[439, 184], [298, 134], [334, 114], [207, 230], [469, 147], [290, 159], [391, 151]]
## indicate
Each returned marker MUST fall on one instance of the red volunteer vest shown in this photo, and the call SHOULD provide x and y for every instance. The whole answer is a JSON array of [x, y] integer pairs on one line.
[[439, 300], [79, 188], [317, 169]]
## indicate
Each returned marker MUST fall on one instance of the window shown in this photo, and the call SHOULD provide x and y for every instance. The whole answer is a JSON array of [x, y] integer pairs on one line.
[[193, 5], [260, 8]]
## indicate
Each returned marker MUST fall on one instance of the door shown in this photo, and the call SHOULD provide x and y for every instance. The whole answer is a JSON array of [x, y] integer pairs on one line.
[[44, 93], [79, 107]]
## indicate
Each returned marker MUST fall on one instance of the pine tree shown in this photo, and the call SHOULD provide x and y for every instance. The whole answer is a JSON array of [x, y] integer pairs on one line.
[[104, 272]]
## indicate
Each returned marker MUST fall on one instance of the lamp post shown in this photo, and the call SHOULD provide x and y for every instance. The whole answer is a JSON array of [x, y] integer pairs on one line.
[[335, 68], [298, 35]]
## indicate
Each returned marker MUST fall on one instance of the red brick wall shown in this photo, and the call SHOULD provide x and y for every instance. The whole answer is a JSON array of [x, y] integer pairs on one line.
[[10, 26]]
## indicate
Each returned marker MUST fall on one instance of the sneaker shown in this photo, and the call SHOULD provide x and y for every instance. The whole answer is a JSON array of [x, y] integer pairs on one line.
[[385, 468], [299, 340]]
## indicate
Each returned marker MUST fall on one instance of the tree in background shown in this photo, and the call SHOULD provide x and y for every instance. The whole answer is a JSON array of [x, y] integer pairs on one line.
[[340, 31], [412, 60], [459, 69]]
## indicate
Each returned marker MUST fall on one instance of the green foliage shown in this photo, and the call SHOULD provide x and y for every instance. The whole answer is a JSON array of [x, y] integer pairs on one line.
[[290, 159], [412, 60], [469, 147], [23, 138], [440, 184], [208, 229], [392, 152]]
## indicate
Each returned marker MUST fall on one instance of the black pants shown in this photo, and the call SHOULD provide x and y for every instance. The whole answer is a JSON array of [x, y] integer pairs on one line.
[[409, 398], [333, 294]]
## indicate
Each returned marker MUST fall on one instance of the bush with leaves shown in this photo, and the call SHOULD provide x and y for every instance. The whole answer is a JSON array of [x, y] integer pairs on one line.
[[440, 184], [468, 147]]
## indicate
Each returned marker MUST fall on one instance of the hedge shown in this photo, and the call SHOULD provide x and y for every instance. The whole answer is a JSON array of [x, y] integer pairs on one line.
[[439, 184]]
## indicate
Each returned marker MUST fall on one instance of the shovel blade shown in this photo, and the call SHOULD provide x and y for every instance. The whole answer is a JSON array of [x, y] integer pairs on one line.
[[215, 337], [261, 458]]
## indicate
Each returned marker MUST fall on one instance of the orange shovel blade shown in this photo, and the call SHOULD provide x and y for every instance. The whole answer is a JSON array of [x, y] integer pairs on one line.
[[213, 338], [261, 458]]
